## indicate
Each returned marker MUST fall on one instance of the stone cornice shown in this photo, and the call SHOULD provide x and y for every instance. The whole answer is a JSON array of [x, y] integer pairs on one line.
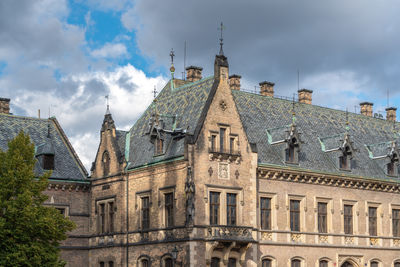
[[327, 179], [67, 186]]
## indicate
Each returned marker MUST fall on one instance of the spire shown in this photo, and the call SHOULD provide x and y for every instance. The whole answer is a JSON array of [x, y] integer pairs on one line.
[[108, 105], [172, 69], [221, 40]]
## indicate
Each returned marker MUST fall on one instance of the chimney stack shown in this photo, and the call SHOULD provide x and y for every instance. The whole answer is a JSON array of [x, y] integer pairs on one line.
[[391, 114], [305, 96], [193, 73], [4, 105], [267, 88], [234, 81], [366, 108]]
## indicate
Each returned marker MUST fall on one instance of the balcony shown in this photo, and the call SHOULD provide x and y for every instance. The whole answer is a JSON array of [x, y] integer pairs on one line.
[[224, 154], [229, 233]]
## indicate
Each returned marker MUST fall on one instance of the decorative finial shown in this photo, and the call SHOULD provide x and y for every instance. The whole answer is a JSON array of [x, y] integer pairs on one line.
[[108, 104], [293, 111], [221, 39], [172, 69], [155, 93], [347, 121]]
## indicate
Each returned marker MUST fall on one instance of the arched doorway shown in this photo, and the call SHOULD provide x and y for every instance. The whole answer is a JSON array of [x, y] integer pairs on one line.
[[347, 264]]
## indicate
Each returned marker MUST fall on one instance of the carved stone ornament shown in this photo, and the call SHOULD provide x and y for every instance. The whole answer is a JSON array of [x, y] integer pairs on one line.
[[190, 193], [210, 171], [222, 105], [223, 170]]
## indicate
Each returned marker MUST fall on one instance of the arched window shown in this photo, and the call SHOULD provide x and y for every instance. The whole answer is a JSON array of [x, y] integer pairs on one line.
[[295, 263], [144, 263], [344, 160], [323, 263], [347, 264], [106, 163], [374, 264], [266, 263], [397, 264], [214, 262], [168, 262], [110, 264]]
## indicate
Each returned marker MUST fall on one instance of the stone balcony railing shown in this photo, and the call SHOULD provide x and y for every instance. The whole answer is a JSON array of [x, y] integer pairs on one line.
[[224, 232]]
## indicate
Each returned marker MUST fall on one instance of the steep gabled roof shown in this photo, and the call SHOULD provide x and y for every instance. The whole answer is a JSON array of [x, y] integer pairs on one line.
[[267, 119], [180, 109], [67, 165]]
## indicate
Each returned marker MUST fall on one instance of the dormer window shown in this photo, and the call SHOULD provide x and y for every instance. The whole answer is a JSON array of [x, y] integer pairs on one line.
[[48, 162], [159, 146], [291, 152], [392, 165], [106, 163], [344, 159]]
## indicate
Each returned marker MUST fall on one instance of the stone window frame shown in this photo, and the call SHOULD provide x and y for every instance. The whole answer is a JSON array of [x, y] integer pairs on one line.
[[355, 214], [223, 191], [302, 261], [143, 257], [106, 261], [396, 261], [139, 202], [161, 204], [328, 260], [60, 206], [303, 210], [107, 222], [391, 208], [164, 257], [268, 257], [274, 208], [379, 215], [375, 260], [329, 211], [216, 147]]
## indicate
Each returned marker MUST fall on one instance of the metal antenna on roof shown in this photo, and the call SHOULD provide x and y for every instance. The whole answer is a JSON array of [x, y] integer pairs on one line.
[[298, 79], [221, 39], [184, 62], [154, 93], [48, 129], [293, 111], [347, 121]]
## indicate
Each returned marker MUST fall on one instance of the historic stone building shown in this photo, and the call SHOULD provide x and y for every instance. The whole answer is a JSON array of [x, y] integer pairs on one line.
[[211, 175], [68, 188], [214, 176]]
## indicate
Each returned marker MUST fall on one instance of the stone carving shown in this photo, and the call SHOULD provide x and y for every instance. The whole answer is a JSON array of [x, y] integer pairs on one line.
[[266, 236], [223, 170], [229, 232], [396, 242], [295, 237], [190, 190], [222, 105], [237, 174], [210, 171], [374, 241], [349, 240], [323, 239]]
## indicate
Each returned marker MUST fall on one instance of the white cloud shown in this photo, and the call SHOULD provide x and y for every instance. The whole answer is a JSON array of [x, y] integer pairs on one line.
[[110, 51], [81, 114]]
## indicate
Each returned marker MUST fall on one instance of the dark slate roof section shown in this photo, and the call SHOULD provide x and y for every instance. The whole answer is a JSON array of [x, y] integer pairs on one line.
[[319, 127], [66, 162], [121, 140], [186, 103]]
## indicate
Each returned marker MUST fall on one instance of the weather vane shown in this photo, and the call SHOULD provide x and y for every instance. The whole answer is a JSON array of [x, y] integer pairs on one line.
[[221, 39], [108, 104], [172, 69]]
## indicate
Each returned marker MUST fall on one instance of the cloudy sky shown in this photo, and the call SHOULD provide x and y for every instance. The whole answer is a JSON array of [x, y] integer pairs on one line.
[[64, 56]]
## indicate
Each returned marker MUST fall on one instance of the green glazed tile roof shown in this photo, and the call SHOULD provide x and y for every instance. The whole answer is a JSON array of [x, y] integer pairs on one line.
[[66, 165]]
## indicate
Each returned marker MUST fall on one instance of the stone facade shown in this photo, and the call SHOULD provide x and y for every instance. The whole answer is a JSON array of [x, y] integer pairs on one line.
[[233, 171]]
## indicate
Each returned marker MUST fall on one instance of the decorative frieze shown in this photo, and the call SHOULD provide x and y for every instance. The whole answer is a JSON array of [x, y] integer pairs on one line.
[[345, 182], [68, 187]]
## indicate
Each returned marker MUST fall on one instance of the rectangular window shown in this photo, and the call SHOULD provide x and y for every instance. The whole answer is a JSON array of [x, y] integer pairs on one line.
[[159, 146], [396, 222], [232, 145], [372, 221], [222, 139], [290, 154], [390, 169], [61, 210], [343, 162], [102, 218], [214, 208], [110, 264], [111, 216], [295, 263], [214, 262], [322, 217], [348, 219], [145, 212], [232, 262], [295, 215], [231, 209], [213, 143], [169, 209], [265, 210]]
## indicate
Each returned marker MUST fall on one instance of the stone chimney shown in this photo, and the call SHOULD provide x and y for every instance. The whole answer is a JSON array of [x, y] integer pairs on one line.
[[193, 73], [366, 108], [234, 81], [305, 96], [5, 105], [391, 114], [267, 88]]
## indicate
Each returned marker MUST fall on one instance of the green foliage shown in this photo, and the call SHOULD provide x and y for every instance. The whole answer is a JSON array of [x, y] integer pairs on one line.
[[30, 233]]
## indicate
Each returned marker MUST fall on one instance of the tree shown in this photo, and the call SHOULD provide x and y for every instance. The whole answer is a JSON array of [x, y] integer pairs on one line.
[[30, 233]]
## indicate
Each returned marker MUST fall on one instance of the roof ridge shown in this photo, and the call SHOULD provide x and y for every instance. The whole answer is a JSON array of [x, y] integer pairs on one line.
[[25, 117], [312, 105]]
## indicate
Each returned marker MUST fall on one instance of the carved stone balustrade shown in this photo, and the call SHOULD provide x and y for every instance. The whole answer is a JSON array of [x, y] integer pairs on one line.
[[230, 233]]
